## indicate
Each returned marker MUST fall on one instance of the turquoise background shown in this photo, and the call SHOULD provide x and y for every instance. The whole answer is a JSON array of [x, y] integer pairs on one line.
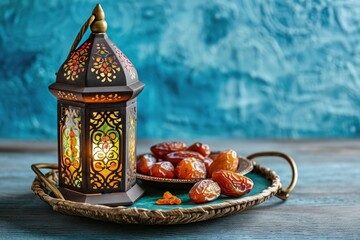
[[223, 68]]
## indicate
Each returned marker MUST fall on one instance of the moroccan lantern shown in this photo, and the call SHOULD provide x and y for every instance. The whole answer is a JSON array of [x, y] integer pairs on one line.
[[96, 88]]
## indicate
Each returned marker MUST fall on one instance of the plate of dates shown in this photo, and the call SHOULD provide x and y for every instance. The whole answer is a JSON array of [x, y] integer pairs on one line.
[[173, 165]]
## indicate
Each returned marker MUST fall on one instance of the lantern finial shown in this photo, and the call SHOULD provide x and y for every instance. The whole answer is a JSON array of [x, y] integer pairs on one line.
[[99, 25]]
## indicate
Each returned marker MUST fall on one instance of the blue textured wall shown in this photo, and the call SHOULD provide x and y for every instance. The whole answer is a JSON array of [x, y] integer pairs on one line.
[[212, 68]]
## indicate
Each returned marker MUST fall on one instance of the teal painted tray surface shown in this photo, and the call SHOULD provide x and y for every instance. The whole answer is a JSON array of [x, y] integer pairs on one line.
[[152, 194]]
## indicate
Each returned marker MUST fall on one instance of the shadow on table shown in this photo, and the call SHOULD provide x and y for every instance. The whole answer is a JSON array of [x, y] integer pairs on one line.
[[26, 213]]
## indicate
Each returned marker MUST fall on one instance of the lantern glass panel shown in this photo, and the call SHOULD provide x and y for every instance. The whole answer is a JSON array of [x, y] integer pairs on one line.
[[70, 128], [131, 133], [106, 141]]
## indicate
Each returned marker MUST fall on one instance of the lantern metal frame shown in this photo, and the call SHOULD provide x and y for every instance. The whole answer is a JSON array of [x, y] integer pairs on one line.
[[97, 88]]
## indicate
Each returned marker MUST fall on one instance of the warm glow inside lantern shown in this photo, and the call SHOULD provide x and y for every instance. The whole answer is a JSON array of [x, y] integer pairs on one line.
[[96, 88]]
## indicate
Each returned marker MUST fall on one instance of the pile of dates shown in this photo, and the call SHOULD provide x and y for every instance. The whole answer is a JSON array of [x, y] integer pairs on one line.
[[215, 172]]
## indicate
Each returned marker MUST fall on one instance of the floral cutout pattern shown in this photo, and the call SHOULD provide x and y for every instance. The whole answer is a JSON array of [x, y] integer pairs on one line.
[[106, 137], [70, 164], [105, 65], [128, 65], [106, 98], [76, 62], [64, 95]]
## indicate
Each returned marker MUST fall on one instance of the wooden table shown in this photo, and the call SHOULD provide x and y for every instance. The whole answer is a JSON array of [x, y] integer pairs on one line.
[[324, 204]]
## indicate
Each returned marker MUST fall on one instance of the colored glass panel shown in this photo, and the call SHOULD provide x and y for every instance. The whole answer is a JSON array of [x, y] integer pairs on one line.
[[105, 135], [131, 173], [71, 169]]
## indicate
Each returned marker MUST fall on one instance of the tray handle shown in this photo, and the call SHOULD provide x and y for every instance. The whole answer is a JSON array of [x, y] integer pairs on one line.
[[282, 193], [36, 168]]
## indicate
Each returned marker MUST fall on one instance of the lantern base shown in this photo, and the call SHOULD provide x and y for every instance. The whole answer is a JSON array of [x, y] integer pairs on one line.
[[108, 199]]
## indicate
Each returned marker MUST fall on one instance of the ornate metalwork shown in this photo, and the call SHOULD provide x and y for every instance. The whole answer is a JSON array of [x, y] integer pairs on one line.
[[65, 95], [76, 62], [105, 64], [70, 162], [128, 65], [96, 88], [106, 137], [106, 98]]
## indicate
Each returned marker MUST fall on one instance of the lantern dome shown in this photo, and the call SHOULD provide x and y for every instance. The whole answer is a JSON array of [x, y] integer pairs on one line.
[[97, 71]]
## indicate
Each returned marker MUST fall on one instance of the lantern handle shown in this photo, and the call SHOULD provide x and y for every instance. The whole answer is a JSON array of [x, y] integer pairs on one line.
[[36, 168], [282, 193], [81, 33], [97, 23]]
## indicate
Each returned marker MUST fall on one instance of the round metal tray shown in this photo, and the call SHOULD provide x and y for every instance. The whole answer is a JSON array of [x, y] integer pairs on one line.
[[267, 184]]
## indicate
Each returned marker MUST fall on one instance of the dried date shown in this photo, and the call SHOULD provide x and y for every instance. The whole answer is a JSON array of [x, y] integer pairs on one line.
[[227, 160], [201, 148], [232, 184], [145, 163], [214, 156], [162, 149], [204, 191], [190, 168], [163, 170], [176, 157], [208, 161]]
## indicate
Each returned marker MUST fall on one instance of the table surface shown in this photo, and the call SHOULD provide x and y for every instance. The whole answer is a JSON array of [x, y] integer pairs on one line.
[[324, 204]]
